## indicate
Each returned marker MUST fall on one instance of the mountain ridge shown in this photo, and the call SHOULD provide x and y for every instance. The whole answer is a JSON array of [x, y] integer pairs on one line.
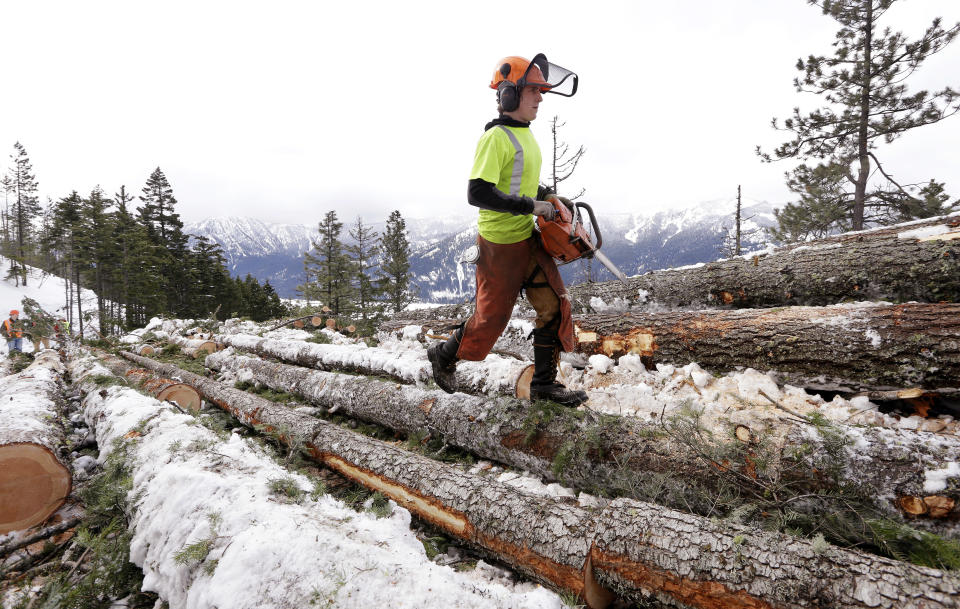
[[635, 242]]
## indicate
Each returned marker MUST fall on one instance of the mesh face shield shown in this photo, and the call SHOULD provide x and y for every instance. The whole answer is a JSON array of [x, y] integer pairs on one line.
[[551, 77]]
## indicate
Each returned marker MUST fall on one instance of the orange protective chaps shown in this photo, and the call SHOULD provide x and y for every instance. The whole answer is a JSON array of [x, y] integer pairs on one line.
[[502, 271]]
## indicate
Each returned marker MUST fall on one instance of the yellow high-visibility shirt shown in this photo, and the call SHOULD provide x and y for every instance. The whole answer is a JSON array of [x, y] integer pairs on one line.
[[509, 158]]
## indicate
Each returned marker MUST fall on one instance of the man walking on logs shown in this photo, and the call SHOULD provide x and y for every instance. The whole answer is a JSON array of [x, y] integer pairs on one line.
[[504, 184]]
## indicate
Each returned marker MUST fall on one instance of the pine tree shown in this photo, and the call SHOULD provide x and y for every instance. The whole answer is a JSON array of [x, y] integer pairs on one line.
[[363, 251], [329, 269], [98, 250], [165, 229], [138, 265], [63, 241], [395, 276], [25, 207], [868, 103]]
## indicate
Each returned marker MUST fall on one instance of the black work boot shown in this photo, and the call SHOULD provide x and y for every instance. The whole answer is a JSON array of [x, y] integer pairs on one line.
[[443, 360], [544, 385]]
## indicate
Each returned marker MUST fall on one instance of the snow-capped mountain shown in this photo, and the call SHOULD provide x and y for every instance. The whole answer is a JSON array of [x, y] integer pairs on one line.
[[636, 242]]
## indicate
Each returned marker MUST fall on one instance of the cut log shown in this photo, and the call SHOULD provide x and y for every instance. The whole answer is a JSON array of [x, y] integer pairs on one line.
[[869, 347], [408, 365], [181, 394], [642, 548], [144, 349], [193, 347], [34, 479], [316, 321], [603, 457], [916, 261]]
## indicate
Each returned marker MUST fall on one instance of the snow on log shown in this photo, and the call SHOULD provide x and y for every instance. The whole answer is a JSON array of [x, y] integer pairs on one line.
[[639, 548], [407, 362], [263, 549], [862, 347], [34, 479], [181, 394], [598, 458]]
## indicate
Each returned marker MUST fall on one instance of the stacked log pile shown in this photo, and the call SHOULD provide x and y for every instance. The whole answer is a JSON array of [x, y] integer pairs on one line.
[[638, 549], [34, 477], [601, 456], [642, 549]]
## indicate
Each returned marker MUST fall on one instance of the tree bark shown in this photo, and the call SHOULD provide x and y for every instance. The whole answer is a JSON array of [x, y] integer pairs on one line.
[[405, 366], [562, 545], [34, 478], [616, 455], [868, 347]]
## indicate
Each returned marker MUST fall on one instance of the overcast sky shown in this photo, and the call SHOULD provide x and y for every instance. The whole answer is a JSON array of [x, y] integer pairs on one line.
[[285, 110]]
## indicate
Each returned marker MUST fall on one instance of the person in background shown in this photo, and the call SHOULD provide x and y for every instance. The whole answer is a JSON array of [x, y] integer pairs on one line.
[[40, 330], [12, 330], [61, 331]]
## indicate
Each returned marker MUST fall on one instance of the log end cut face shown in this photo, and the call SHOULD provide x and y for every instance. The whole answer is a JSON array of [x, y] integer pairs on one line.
[[182, 395], [33, 485]]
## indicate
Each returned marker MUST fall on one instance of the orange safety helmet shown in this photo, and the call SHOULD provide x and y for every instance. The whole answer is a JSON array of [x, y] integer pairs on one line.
[[514, 73], [515, 69], [14, 312]]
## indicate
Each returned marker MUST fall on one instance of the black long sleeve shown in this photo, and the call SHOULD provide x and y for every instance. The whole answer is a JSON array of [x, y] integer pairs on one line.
[[485, 195]]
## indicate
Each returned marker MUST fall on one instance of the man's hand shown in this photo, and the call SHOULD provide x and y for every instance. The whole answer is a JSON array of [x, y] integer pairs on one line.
[[563, 200], [545, 210]]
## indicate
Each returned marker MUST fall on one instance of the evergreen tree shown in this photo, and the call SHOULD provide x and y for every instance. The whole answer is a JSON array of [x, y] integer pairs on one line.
[[395, 276], [63, 240], [868, 103], [137, 270], [165, 229], [25, 206], [98, 251], [363, 252], [329, 270]]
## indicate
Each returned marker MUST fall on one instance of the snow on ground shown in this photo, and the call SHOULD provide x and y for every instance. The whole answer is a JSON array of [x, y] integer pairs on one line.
[[48, 290], [190, 485]]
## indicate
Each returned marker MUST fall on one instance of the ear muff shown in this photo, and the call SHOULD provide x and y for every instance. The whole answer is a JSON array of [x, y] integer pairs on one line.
[[508, 96]]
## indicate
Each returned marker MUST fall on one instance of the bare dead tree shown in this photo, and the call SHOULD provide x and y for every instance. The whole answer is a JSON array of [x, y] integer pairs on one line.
[[564, 161]]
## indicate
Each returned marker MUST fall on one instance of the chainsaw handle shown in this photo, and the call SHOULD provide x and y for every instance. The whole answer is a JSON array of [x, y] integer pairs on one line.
[[593, 222]]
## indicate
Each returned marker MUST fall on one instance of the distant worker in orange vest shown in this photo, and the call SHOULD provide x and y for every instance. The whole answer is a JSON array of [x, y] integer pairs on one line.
[[12, 330]]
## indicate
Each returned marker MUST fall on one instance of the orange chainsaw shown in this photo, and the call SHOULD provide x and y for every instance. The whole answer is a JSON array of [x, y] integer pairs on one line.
[[566, 239]]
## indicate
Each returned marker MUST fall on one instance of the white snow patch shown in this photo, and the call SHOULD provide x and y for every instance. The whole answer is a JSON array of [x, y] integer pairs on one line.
[[926, 231], [936, 480], [601, 363]]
